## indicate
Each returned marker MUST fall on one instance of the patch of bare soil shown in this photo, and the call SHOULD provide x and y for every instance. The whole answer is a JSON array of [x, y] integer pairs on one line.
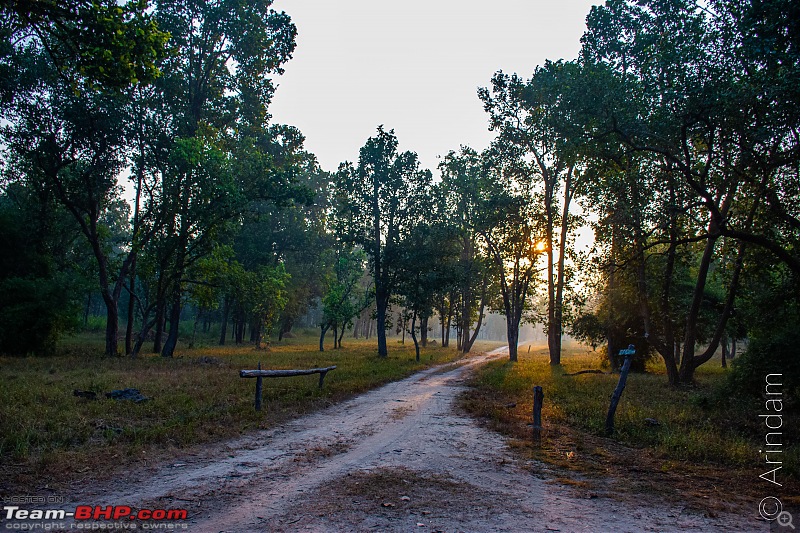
[[400, 458]]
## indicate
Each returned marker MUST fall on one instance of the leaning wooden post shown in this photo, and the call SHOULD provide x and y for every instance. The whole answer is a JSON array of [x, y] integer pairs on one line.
[[623, 377], [259, 384], [538, 398]]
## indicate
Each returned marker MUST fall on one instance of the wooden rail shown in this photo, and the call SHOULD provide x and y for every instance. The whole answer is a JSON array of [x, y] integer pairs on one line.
[[260, 374]]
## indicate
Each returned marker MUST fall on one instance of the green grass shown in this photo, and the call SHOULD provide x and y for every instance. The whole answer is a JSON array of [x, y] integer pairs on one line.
[[701, 424], [196, 397]]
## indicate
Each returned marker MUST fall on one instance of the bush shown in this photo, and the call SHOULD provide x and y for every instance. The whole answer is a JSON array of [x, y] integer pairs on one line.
[[774, 353], [34, 312]]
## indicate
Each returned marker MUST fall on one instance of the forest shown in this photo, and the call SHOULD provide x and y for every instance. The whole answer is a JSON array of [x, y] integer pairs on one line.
[[141, 173], [160, 230]]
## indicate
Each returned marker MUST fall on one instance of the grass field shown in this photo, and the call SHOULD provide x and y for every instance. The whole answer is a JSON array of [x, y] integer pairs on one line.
[[196, 397], [704, 426]]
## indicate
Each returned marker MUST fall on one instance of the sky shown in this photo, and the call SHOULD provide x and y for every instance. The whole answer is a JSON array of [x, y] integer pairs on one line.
[[413, 66]]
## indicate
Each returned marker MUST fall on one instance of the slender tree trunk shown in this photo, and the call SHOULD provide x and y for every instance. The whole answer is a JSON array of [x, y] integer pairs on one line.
[[112, 325], [382, 302], [446, 341], [414, 334], [174, 322], [442, 323], [558, 307], [341, 334], [687, 361], [724, 344], [131, 309], [423, 331], [226, 307], [323, 330], [470, 341], [146, 327]]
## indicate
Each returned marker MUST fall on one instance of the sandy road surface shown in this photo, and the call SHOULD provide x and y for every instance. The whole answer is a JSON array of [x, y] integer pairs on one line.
[[399, 458]]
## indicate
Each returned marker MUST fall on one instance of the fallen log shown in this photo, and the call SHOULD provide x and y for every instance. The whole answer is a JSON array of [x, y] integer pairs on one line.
[[591, 371]]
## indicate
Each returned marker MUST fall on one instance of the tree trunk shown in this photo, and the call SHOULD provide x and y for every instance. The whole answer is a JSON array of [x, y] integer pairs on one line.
[[555, 346], [174, 323], [446, 341], [414, 334], [687, 361], [442, 324], [137, 347], [112, 325], [161, 307], [469, 342], [341, 335], [382, 303], [513, 339], [131, 309], [423, 331], [323, 331], [226, 306]]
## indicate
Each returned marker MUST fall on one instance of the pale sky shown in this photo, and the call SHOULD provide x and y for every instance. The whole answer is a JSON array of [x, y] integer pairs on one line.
[[413, 66]]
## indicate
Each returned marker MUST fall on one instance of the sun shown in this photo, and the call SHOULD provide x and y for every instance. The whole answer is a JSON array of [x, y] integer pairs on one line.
[[540, 246]]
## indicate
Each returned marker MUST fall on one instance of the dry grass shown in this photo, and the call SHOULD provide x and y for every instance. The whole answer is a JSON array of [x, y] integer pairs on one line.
[[705, 443], [46, 433]]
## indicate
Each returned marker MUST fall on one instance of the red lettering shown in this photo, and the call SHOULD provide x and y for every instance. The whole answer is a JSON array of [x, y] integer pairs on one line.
[[103, 512], [178, 514], [121, 511], [83, 512]]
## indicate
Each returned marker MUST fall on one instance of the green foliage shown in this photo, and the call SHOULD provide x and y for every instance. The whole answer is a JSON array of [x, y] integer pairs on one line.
[[93, 42], [588, 329], [345, 297], [40, 276], [773, 353], [379, 202], [771, 309], [34, 313]]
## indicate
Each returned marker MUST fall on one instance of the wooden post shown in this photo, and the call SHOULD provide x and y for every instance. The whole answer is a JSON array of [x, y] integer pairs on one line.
[[259, 384], [623, 377], [538, 398], [322, 377]]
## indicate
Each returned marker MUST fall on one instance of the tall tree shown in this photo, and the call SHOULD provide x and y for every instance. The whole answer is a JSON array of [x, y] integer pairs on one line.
[[533, 129], [378, 200], [217, 84], [465, 184], [688, 92]]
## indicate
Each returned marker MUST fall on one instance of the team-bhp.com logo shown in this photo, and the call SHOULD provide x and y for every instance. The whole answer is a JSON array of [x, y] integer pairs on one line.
[[17, 518]]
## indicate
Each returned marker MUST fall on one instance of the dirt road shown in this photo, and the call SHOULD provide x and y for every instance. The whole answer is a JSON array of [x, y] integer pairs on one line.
[[399, 458]]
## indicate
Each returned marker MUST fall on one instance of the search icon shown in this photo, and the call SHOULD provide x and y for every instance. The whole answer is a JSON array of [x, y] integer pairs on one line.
[[785, 519]]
